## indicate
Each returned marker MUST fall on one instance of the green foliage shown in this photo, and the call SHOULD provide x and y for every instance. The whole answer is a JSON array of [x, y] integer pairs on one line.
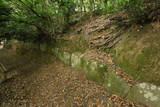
[[5, 12], [136, 9], [42, 20], [37, 20]]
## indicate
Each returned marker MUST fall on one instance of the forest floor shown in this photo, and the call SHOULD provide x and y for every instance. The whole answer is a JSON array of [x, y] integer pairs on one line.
[[50, 83]]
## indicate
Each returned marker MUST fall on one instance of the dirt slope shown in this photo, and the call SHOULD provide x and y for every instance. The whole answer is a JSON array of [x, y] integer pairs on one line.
[[139, 53]]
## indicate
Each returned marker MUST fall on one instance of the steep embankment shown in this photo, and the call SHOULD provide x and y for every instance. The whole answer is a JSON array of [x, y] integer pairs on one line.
[[138, 53], [136, 49]]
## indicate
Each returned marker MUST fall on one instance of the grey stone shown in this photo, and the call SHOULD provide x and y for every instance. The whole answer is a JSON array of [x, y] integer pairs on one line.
[[115, 85], [92, 71], [76, 61], [145, 93]]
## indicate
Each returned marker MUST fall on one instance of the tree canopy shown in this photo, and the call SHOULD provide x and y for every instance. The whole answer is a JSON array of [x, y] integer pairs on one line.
[[42, 20]]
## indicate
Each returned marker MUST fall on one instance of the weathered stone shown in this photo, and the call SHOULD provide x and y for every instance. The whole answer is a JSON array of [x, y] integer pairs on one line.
[[65, 57], [76, 61], [92, 71], [145, 93], [115, 84]]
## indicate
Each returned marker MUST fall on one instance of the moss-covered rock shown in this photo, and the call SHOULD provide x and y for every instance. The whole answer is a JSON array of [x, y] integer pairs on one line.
[[115, 85], [95, 71], [76, 61], [145, 93]]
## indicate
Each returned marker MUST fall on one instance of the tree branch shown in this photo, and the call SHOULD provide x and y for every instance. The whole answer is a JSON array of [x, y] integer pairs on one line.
[[39, 28], [32, 10]]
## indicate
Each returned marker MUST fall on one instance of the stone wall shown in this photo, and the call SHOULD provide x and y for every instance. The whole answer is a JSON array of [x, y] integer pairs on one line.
[[144, 93]]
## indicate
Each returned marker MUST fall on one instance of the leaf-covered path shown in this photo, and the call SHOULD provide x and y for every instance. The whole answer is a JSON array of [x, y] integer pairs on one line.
[[43, 81], [52, 85]]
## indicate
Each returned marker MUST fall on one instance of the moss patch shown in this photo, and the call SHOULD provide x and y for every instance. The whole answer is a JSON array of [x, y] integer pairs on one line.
[[139, 55]]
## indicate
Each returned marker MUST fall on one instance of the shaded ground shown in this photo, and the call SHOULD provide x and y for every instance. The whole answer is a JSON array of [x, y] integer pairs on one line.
[[45, 82], [50, 84]]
